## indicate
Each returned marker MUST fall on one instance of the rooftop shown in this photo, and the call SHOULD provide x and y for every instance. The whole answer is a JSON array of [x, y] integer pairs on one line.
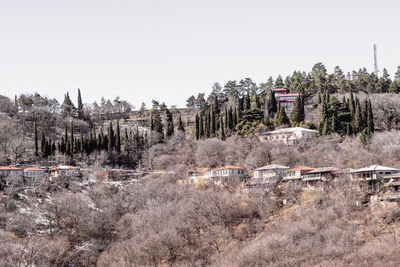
[[230, 167], [280, 90], [301, 168], [324, 169], [374, 168], [271, 167], [292, 129], [32, 169], [64, 167], [9, 168]]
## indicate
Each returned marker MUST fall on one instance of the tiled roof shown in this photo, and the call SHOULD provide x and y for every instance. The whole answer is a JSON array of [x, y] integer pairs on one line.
[[271, 167], [63, 167], [32, 169], [324, 169], [302, 168], [293, 129], [375, 168], [10, 168], [230, 167]]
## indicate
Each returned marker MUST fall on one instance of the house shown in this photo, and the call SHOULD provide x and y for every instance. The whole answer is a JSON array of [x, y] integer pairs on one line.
[[65, 170], [373, 172], [392, 181], [227, 174], [33, 172], [267, 174], [285, 100], [289, 136], [6, 171], [296, 173], [372, 175], [319, 174]]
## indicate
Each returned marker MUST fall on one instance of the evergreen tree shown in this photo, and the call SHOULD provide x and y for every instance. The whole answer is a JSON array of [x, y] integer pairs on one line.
[[221, 129], [230, 118], [182, 128], [201, 127], [72, 139], [357, 120], [351, 104], [213, 125], [110, 137], [325, 128], [370, 118], [170, 123], [365, 136], [43, 146], [319, 100], [36, 138], [333, 127], [226, 125], [297, 114], [197, 127], [235, 118], [348, 129], [272, 103], [80, 105], [118, 138], [281, 118], [68, 108]]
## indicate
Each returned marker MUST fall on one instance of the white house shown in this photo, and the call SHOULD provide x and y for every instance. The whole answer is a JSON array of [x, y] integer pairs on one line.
[[65, 170], [33, 172], [372, 175], [289, 136], [227, 174], [10, 170], [267, 174]]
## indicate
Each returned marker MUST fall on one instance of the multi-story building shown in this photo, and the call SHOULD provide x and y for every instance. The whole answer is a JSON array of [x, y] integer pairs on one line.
[[296, 174], [267, 174], [6, 171], [228, 174], [289, 136], [286, 100]]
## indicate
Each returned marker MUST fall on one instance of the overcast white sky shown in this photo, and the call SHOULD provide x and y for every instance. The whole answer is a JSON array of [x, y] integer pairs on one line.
[[170, 49]]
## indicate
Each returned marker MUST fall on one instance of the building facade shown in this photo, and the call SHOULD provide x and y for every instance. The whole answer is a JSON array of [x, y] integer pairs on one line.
[[267, 174], [289, 136]]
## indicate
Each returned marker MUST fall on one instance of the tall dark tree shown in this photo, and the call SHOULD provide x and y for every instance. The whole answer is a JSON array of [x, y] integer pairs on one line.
[[213, 125], [43, 146], [36, 138], [370, 118], [180, 125], [221, 129], [197, 127], [110, 136], [80, 105], [297, 114], [118, 138], [170, 123]]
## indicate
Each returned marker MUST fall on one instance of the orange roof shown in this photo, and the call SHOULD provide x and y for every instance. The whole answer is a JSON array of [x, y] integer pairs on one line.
[[32, 169], [301, 168], [230, 167], [10, 168]]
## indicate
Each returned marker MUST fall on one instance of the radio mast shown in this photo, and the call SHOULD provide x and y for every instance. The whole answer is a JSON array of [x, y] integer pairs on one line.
[[375, 62]]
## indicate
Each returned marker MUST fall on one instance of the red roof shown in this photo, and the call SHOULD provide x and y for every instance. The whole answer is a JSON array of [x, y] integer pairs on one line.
[[301, 168], [280, 89], [32, 169], [294, 94], [10, 168], [230, 167]]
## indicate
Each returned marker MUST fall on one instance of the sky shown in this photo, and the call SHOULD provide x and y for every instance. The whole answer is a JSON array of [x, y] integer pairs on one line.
[[170, 49]]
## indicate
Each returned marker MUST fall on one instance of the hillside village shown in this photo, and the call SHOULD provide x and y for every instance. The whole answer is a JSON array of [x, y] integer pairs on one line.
[[311, 165]]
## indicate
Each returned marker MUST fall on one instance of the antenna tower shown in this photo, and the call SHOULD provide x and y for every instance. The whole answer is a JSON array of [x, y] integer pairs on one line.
[[375, 62]]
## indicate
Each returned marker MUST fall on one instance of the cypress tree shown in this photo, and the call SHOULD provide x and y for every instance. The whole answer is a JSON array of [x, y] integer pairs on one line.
[[201, 127], [248, 103], [110, 137], [81, 143], [235, 118], [333, 127], [43, 145], [357, 123], [296, 115], [365, 136], [213, 126], [348, 129], [118, 138], [221, 129], [93, 142], [72, 139], [16, 104], [351, 104], [80, 105], [325, 128], [370, 118], [230, 118], [170, 123], [126, 137], [36, 138], [197, 127], [207, 124], [364, 114], [226, 123], [272, 103], [319, 100], [181, 127], [151, 121]]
